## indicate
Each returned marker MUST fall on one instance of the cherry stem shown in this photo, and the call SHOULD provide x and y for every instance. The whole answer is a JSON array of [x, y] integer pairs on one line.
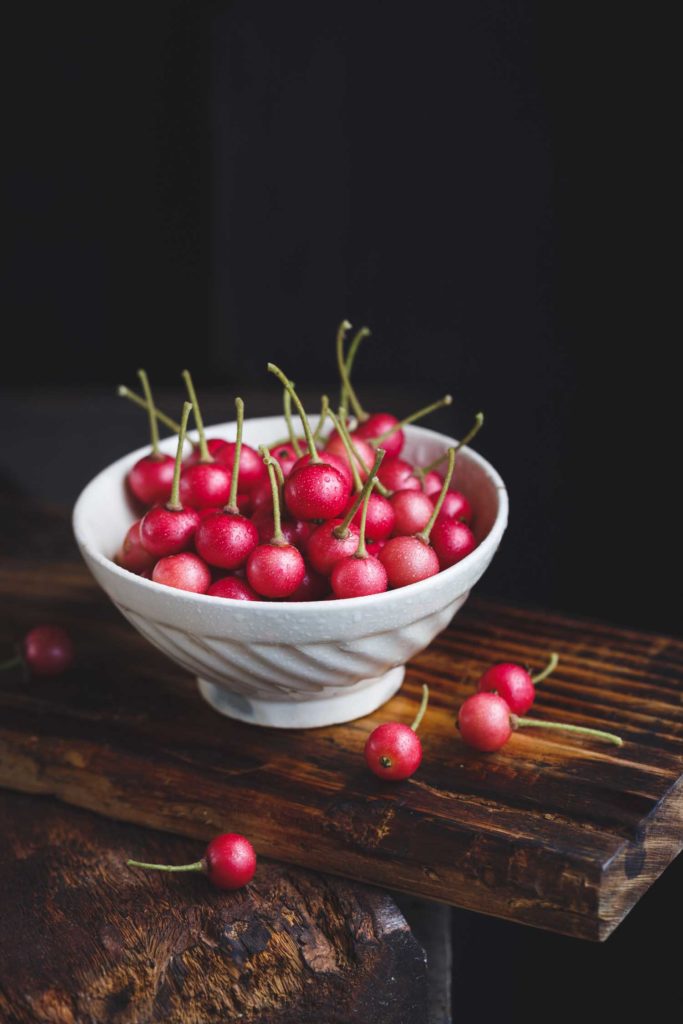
[[347, 386], [278, 536], [357, 482], [424, 534], [550, 667], [174, 504], [361, 550], [11, 663], [272, 368], [123, 392], [446, 400], [344, 432], [580, 730], [153, 428], [342, 530], [421, 710], [232, 507], [422, 471], [324, 413], [364, 332], [293, 439], [199, 865], [204, 453]]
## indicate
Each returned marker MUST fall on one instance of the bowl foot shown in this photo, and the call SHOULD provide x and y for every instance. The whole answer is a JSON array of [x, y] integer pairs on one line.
[[355, 702]]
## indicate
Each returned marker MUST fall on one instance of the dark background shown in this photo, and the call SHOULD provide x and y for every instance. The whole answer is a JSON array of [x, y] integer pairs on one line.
[[486, 184]]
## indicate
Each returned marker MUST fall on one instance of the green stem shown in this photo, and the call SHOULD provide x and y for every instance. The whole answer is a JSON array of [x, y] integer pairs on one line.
[[232, 507], [272, 368], [204, 454], [11, 662], [344, 433], [550, 667], [580, 730], [347, 386], [357, 482], [153, 428], [423, 707], [421, 471], [324, 413], [364, 332], [293, 439], [342, 530], [199, 865], [123, 392], [446, 400], [424, 534], [361, 550], [278, 536], [174, 504]]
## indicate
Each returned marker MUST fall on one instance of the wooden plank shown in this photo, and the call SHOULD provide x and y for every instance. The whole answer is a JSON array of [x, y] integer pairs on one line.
[[551, 831], [102, 942]]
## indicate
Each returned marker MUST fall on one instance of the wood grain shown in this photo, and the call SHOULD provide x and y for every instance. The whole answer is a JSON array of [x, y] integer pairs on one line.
[[101, 943], [551, 831]]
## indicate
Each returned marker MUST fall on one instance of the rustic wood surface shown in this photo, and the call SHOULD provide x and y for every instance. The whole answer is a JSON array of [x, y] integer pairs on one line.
[[86, 940], [551, 831]]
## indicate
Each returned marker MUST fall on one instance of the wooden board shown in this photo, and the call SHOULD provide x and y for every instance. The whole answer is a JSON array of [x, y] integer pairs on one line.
[[551, 831], [101, 942]]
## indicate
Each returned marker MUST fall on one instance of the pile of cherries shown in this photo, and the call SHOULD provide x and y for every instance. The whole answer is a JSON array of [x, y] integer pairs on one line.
[[302, 519]]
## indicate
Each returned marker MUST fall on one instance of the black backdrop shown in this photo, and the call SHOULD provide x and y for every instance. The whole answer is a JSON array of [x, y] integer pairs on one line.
[[485, 183]]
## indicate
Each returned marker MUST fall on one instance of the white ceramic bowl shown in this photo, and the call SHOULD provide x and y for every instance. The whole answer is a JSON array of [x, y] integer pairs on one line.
[[294, 664]]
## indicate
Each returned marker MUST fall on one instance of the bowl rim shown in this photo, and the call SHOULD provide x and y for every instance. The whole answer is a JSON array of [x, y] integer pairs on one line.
[[483, 552]]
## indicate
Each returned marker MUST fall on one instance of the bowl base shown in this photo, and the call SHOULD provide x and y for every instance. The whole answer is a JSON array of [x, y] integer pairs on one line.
[[359, 700]]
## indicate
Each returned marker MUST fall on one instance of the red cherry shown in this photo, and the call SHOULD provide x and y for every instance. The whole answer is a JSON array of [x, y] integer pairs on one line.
[[431, 483], [286, 456], [514, 683], [381, 517], [408, 560], [375, 546], [261, 496], [456, 506], [366, 452], [215, 446], [233, 587], [133, 556], [185, 571], [47, 650], [204, 484], [252, 472], [275, 570], [316, 491], [358, 577], [452, 541], [484, 722], [361, 574], [412, 511], [167, 531], [336, 461], [397, 475], [375, 425], [313, 587], [226, 539], [151, 479], [294, 531], [328, 543], [229, 862], [393, 750]]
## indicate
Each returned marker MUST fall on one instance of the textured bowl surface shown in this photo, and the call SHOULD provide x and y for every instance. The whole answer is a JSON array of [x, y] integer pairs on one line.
[[294, 664]]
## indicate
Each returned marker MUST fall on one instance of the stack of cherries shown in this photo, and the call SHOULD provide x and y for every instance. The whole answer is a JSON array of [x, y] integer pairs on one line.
[[303, 519]]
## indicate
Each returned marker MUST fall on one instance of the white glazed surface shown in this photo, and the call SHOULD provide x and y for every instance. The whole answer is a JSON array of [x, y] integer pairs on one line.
[[291, 664]]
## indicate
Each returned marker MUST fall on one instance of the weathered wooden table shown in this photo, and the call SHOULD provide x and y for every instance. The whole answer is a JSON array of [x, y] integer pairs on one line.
[[553, 832]]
